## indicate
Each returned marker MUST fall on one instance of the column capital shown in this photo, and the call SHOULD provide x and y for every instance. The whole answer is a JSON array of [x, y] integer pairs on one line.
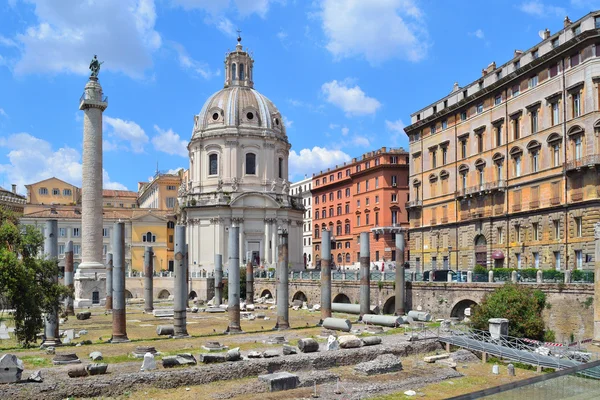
[[597, 230]]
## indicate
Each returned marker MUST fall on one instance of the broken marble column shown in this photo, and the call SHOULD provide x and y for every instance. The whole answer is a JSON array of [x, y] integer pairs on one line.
[[119, 320], [11, 368], [148, 279], [400, 281], [283, 307], [69, 310], [180, 290], [109, 281], [218, 279], [249, 279], [365, 274], [233, 279], [51, 336], [325, 274]]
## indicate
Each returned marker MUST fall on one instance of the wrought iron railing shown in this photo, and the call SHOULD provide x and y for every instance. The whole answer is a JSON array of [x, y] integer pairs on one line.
[[591, 160]]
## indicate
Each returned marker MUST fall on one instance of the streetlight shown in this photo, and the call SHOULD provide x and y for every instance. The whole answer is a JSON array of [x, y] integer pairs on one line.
[[450, 258]]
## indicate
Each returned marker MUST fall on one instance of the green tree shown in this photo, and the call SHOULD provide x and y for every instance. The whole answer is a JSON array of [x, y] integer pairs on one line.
[[26, 282], [521, 305]]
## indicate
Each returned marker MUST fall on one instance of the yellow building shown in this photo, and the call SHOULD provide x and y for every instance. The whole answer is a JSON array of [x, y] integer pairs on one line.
[[152, 228], [53, 191], [161, 192], [119, 199]]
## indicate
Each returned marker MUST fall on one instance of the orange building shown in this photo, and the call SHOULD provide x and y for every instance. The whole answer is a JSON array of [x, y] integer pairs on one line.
[[366, 195]]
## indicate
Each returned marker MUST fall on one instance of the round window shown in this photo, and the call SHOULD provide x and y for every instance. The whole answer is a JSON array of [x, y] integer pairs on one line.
[[215, 116], [250, 116], [277, 121]]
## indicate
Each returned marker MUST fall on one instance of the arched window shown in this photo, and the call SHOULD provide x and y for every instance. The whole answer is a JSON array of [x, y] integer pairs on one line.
[[317, 230], [347, 257], [241, 72], [213, 164], [339, 258], [171, 225], [338, 229], [149, 238], [250, 164], [347, 228], [233, 72]]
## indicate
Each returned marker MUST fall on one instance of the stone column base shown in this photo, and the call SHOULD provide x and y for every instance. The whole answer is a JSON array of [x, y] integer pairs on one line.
[[86, 283]]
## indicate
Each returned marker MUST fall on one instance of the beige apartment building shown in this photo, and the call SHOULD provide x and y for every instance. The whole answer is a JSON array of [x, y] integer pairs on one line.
[[505, 171]]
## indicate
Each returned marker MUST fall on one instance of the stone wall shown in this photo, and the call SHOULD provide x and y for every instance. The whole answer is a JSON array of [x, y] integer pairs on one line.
[[570, 309]]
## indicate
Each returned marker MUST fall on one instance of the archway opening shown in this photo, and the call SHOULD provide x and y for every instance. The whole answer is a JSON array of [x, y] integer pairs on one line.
[[266, 293], [192, 295], [458, 311], [164, 294], [480, 250], [299, 296], [389, 307], [128, 294], [341, 298]]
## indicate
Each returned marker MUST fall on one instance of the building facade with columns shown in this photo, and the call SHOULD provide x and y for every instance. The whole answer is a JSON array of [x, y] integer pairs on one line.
[[302, 189], [505, 171], [238, 174]]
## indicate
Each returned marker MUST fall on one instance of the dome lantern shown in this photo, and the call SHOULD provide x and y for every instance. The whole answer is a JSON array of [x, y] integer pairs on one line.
[[238, 66]]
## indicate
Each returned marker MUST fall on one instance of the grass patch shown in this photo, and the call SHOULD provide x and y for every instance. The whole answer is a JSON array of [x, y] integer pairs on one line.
[[39, 362]]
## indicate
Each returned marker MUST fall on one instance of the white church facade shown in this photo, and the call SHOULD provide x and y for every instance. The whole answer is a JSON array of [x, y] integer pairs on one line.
[[238, 176]]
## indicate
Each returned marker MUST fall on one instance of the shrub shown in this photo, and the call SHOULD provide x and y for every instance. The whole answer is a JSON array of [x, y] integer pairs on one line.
[[503, 273], [521, 305], [480, 269], [553, 275]]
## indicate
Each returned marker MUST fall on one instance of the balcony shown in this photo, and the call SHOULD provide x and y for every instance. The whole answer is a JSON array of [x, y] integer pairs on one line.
[[534, 204], [481, 188], [516, 207], [577, 195], [414, 204], [587, 161]]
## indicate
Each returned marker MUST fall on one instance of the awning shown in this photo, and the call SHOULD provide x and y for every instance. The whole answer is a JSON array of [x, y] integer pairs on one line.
[[497, 255]]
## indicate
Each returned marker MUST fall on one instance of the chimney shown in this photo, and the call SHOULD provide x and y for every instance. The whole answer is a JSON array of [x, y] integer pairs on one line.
[[519, 52], [567, 21], [547, 33], [14, 188], [455, 87]]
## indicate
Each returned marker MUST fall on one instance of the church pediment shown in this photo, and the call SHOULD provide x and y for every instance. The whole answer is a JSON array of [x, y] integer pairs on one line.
[[254, 200]]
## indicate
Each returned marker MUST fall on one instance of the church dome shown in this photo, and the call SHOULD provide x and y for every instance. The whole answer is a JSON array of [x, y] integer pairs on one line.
[[239, 107], [238, 104]]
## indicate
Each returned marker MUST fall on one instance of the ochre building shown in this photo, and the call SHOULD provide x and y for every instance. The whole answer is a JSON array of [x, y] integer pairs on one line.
[[366, 195], [505, 171]]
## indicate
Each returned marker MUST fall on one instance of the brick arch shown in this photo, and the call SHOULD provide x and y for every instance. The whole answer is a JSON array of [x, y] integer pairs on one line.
[[458, 310], [164, 294], [389, 305], [128, 294], [264, 292], [299, 295], [342, 298]]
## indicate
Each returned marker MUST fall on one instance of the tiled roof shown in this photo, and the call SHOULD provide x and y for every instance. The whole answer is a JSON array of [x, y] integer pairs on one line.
[[118, 193]]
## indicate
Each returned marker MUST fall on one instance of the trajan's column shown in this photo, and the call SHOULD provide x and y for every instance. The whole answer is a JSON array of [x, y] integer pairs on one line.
[[90, 278]]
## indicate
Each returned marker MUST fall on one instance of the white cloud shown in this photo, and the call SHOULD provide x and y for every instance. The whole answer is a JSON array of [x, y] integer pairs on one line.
[[31, 159], [345, 131], [282, 35], [479, 34], [287, 122], [169, 142], [312, 161], [216, 11], [68, 33], [127, 131], [538, 9], [377, 30], [350, 99], [188, 63], [361, 141], [6, 42], [396, 128], [3, 113]]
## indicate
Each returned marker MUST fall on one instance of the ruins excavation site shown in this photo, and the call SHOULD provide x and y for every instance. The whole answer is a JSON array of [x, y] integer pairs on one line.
[[366, 362]]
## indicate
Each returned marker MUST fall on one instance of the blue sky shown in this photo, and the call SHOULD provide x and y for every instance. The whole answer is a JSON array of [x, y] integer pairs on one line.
[[346, 74]]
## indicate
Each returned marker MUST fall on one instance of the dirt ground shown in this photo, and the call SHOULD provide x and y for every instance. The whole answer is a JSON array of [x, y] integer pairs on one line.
[[429, 380]]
